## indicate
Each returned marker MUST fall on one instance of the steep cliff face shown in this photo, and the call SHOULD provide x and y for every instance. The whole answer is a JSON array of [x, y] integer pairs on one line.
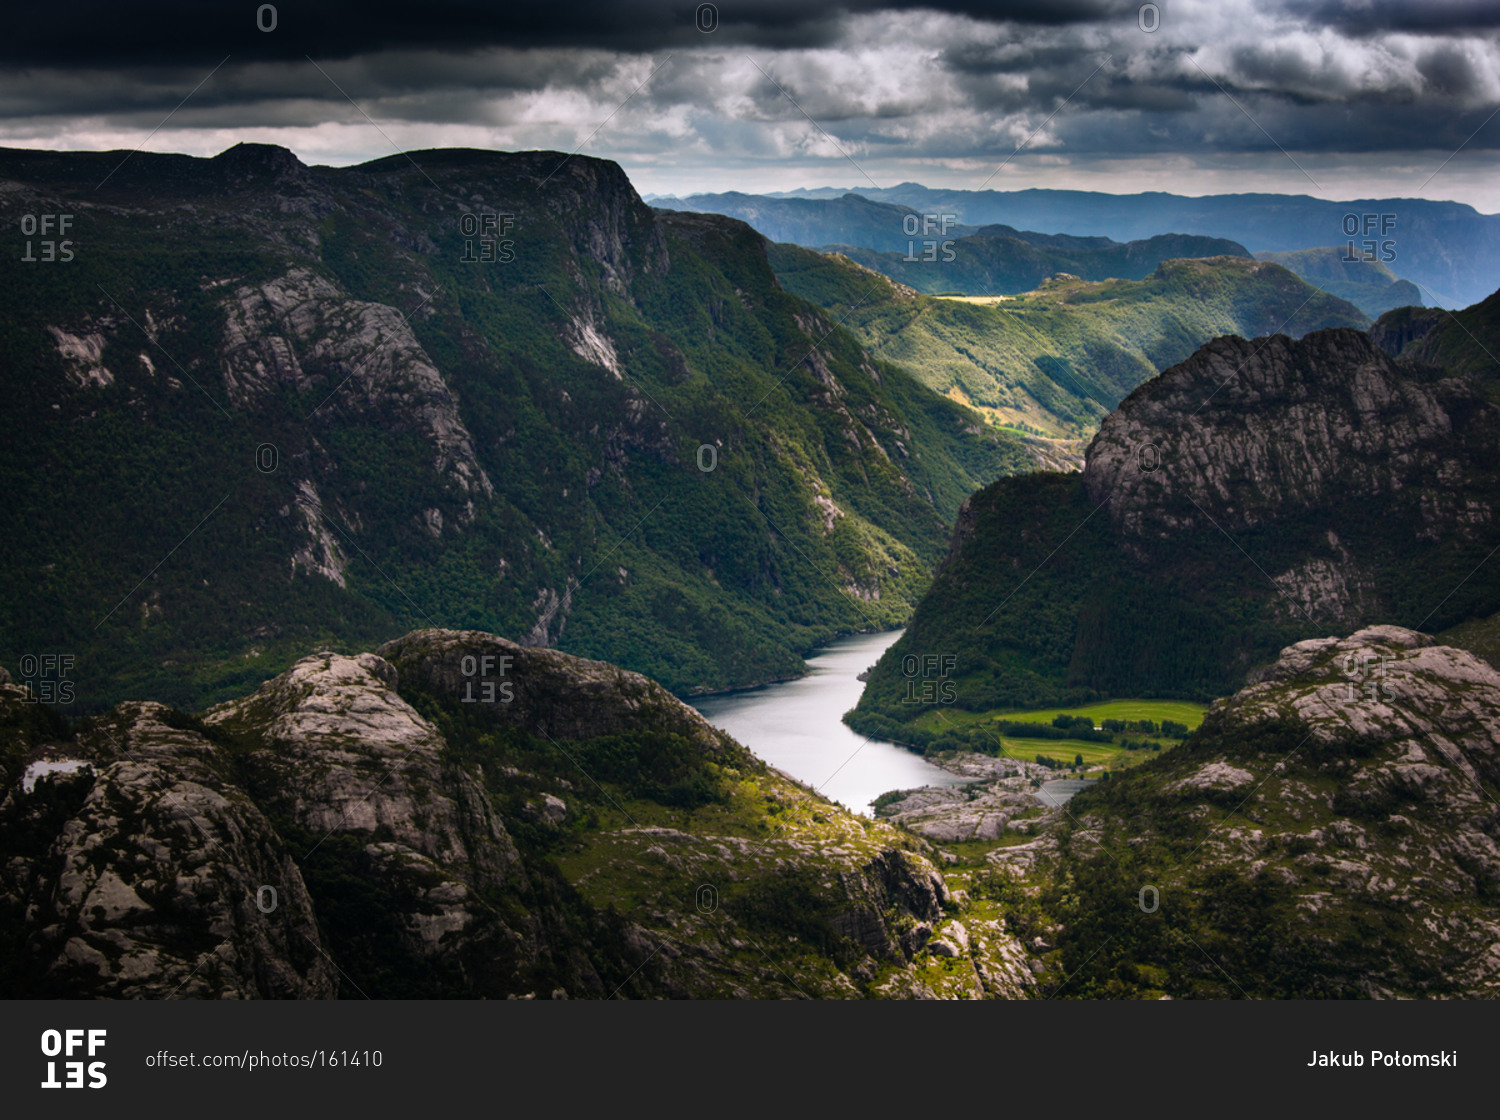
[[1331, 830], [1246, 432], [1260, 492], [456, 815], [460, 388], [136, 868]]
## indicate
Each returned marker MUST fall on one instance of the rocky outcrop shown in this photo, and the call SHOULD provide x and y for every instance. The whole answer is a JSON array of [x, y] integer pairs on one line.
[[541, 690], [1349, 793], [455, 815], [1245, 432], [339, 750], [302, 332], [146, 873]]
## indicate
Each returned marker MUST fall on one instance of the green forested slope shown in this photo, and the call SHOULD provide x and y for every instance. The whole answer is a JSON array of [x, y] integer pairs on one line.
[[1260, 493], [510, 445], [1058, 359]]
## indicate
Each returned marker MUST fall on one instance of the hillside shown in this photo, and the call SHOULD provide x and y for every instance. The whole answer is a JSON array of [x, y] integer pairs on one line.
[[453, 816], [1327, 833], [1466, 341], [1368, 284], [1001, 261], [267, 406], [1257, 494], [1057, 359]]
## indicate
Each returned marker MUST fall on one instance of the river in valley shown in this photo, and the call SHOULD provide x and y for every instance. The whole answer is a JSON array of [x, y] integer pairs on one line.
[[796, 727]]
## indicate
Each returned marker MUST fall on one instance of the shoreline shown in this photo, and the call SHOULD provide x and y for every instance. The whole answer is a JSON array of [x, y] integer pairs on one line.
[[689, 697]]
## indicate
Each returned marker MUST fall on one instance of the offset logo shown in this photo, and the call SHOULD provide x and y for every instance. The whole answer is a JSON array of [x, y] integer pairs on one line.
[[494, 245], [51, 227], [494, 688], [67, 1043], [45, 678]]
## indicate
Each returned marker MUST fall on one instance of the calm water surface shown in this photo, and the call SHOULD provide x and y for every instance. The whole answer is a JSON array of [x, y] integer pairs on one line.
[[797, 727]]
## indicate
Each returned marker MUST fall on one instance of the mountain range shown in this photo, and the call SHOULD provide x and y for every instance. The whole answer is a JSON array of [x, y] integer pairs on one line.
[[1055, 360], [1448, 248], [290, 448], [266, 406], [934, 256]]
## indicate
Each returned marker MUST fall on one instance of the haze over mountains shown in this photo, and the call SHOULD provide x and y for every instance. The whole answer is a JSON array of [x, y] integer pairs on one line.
[[1448, 248]]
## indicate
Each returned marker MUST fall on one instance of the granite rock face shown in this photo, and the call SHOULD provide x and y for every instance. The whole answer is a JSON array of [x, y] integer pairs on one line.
[[1350, 791], [147, 873], [454, 815], [1246, 431]]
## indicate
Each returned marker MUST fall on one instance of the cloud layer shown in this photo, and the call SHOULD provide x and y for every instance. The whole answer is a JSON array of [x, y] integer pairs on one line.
[[1337, 99]]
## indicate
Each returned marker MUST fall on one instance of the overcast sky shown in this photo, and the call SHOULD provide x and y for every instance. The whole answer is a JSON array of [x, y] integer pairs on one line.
[[1334, 99]]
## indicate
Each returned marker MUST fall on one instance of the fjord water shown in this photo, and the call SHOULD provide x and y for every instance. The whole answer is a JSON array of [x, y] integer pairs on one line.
[[796, 726]]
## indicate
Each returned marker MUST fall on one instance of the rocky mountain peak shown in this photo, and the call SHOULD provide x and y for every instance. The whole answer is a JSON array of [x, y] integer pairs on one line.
[[259, 164], [1342, 801], [1245, 432], [453, 815]]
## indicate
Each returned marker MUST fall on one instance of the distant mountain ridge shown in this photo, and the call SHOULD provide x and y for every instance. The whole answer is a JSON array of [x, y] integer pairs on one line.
[[933, 254], [1365, 282], [1449, 248], [1057, 359]]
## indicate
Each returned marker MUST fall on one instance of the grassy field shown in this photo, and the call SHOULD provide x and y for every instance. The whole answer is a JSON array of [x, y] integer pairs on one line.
[[1182, 711], [1097, 757]]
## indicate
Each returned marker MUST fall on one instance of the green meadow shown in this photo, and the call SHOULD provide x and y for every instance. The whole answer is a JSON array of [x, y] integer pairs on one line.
[[1182, 711]]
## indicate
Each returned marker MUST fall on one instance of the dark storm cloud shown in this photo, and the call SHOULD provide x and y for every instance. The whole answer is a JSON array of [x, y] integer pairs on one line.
[[1366, 17], [109, 34], [958, 85]]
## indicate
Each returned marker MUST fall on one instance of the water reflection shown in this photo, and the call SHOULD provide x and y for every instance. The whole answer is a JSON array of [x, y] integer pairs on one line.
[[796, 727]]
